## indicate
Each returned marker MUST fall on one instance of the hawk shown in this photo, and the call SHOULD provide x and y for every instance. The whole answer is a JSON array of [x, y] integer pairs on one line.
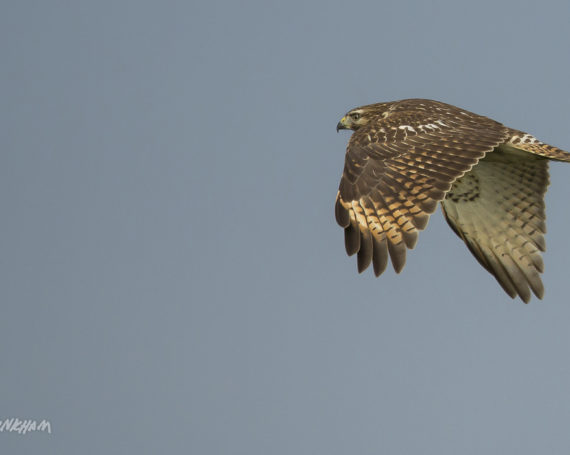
[[406, 156]]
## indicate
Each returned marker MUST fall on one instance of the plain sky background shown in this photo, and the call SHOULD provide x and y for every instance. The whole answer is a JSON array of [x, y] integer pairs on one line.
[[172, 279]]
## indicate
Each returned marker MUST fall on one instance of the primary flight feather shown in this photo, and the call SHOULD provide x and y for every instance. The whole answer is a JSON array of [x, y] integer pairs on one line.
[[406, 156]]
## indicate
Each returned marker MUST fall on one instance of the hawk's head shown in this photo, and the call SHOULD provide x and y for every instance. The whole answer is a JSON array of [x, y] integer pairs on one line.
[[360, 116]]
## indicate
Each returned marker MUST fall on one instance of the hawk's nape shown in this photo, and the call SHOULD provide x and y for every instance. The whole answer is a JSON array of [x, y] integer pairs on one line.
[[406, 156]]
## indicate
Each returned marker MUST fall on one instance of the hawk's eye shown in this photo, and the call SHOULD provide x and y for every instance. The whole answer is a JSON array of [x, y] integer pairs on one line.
[[355, 116]]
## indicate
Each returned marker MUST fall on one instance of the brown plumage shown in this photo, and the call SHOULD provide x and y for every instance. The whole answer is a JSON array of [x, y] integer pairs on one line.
[[406, 156]]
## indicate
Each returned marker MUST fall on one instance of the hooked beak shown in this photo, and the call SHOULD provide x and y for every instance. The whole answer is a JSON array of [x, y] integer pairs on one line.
[[341, 125]]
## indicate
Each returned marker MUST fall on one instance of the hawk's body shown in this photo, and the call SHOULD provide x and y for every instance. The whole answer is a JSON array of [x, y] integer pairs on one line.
[[406, 156]]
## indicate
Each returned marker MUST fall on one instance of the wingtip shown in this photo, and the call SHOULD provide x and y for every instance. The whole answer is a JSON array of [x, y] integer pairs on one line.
[[342, 215], [364, 257], [351, 239]]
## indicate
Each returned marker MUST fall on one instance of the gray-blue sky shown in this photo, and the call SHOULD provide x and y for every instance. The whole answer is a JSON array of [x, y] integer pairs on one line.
[[172, 278]]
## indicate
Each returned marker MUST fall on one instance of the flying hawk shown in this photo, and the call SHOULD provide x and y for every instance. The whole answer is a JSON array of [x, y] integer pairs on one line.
[[406, 156]]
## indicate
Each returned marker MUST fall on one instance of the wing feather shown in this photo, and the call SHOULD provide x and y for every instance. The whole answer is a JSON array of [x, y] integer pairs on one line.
[[398, 167], [498, 210]]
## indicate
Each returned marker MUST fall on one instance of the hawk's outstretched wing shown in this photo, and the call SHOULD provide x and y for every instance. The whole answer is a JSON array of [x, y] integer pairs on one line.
[[397, 168], [498, 210]]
